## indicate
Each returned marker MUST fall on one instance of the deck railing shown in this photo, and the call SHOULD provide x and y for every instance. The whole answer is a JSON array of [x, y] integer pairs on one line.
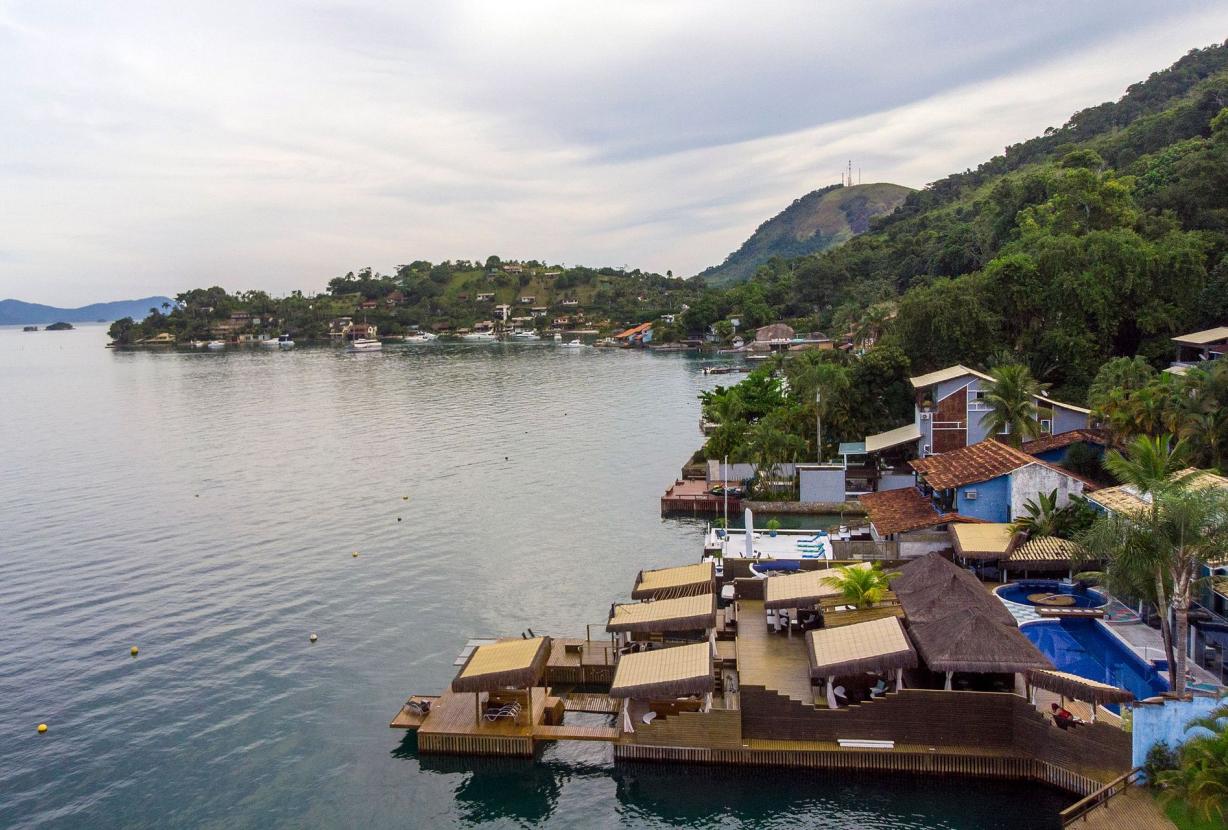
[[1081, 808]]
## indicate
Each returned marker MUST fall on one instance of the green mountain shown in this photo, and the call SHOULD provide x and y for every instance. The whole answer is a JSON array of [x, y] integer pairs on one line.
[[815, 222], [17, 312], [1104, 237]]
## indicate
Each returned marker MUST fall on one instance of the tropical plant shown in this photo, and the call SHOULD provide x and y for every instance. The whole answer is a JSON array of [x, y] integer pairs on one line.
[[1201, 777], [1044, 518], [861, 587], [1011, 398]]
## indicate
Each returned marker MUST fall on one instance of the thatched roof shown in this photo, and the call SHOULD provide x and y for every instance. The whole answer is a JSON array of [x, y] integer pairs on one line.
[[802, 589], [837, 619], [1047, 549], [956, 625], [681, 614], [665, 582], [1079, 688], [879, 645], [665, 672], [515, 663], [982, 541]]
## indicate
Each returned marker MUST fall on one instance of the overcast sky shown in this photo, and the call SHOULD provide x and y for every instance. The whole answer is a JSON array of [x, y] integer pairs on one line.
[[150, 147]]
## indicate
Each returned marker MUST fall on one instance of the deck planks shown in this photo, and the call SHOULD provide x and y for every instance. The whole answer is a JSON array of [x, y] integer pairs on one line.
[[773, 661]]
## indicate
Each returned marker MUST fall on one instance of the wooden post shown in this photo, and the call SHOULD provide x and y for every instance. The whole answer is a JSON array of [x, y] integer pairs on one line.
[[947, 687], [831, 692], [899, 679]]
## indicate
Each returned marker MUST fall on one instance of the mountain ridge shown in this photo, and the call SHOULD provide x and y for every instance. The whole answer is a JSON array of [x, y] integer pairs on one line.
[[814, 222], [19, 312]]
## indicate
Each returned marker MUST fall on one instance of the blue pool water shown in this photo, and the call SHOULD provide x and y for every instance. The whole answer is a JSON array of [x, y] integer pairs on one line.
[[1019, 592], [1085, 648]]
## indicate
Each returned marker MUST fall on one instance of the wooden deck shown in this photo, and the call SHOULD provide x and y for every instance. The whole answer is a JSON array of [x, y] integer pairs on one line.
[[596, 704], [773, 661], [1134, 809], [692, 496], [609, 734], [407, 719]]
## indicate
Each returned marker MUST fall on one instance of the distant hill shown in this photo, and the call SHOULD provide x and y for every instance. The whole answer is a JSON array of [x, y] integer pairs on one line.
[[16, 312], [813, 223]]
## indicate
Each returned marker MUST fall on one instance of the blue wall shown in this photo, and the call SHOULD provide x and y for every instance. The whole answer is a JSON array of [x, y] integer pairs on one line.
[[992, 502], [1166, 723]]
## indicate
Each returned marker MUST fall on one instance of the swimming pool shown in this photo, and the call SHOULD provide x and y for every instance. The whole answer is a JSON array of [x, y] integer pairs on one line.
[[1086, 648], [1021, 592]]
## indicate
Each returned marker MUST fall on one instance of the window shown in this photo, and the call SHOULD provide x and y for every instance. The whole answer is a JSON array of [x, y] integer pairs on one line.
[[1006, 429], [978, 395], [1046, 426]]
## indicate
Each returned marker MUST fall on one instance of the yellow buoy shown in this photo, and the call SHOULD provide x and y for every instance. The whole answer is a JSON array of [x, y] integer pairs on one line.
[[355, 553], [42, 727], [313, 638], [135, 650], [404, 498]]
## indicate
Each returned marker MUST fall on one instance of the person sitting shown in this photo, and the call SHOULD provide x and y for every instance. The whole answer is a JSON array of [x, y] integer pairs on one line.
[[1063, 718]]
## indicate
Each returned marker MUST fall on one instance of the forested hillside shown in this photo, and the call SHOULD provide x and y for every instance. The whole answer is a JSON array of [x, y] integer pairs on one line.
[[1101, 238], [817, 221]]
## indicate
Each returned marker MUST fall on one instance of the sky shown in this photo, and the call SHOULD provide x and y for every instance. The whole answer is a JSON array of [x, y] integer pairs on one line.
[[151, 147]]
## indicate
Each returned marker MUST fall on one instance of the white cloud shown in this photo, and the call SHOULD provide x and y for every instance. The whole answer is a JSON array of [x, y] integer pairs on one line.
[[149, 148]]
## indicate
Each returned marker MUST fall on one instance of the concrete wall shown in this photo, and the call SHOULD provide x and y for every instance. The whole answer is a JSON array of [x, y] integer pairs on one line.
[[1028, 482], [992, 502], [896, 482], [820, 483], [1166, 722], [1064, 420], [740, 472]]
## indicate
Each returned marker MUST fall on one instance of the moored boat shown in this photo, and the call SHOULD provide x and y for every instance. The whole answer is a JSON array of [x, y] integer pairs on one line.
[[421, 337], [215, 345], [364, 344], [479, 337]]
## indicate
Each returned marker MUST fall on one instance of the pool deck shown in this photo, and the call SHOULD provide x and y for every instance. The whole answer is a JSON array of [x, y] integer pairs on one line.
[[1134, 809]]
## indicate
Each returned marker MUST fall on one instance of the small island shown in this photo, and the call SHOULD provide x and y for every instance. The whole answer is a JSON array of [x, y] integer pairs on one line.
[[61, 326]]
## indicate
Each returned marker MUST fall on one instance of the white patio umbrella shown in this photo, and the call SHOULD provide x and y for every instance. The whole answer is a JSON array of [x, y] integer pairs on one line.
[[750, 534]]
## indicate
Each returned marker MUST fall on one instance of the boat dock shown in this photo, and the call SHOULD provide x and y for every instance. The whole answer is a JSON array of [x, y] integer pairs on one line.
[[675, 678], [694, 496]]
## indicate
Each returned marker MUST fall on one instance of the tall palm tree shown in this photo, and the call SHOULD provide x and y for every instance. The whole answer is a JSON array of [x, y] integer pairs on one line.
[[1148, 465], [1011, 397], [861, 587]]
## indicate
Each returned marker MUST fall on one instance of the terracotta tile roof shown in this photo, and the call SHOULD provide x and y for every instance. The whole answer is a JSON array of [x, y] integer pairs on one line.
[[971, 464], [1065, 439], [897, 511], [982, 462]]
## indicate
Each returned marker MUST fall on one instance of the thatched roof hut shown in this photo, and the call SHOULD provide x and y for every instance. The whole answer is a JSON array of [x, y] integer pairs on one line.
[[695, 613], [957, 626], [664, 673], [1079, 688], [875, 646], [984, 541], [803, 589], [665, 583], [508, 664]]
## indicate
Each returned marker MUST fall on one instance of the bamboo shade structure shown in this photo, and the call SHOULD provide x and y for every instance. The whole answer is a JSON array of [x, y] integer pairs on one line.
[[515, 663], [680, 614], [801, 590], [664, 673], [876, 646], [1079, 688], [982, 541], [651, 584]]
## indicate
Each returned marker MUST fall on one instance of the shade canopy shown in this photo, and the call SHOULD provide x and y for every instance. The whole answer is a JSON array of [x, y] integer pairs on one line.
[[982, 541], [1079, 688], [957, 626], [664, 672], [907, 434], [802, 589], [1047, 549], [514, 663], [875, 646], [836, 619], [664, 615], [673, 582]]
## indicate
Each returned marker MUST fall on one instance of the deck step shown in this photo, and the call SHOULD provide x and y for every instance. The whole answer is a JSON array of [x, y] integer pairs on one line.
[[592, 703], [542, 732]]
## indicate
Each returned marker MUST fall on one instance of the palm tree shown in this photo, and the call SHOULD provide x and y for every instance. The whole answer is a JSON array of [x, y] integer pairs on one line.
[[1149, 465], [1201, 780], [861, 587], [1011, 397], [1044, 517]]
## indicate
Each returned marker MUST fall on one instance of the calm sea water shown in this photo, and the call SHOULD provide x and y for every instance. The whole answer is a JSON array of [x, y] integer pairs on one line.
[[205, 507]]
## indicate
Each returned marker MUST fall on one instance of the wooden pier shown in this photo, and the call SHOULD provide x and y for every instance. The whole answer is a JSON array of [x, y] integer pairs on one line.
[[688, 495]]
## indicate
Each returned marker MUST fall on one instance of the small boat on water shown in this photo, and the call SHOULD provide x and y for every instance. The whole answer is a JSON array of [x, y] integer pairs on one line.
[[479, 337], [573, 344], [421, 337], [282, 341], [364, 344], [558, 338], [525, 335], [29, 328], [215, 345]]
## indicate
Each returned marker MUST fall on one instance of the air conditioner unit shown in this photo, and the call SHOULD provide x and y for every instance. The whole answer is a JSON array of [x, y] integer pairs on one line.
[[925, 416], [925, 450], [970, 495]]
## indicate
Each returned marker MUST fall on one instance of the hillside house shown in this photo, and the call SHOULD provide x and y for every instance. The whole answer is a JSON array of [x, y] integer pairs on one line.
[[1055, 448], [570, 303], [1199, 347], [503, 312], [950, 409], [513, 268], [363, 330], [640, 335], [528, 300], [369, 304], [539, 310], [394, 298], [488, 297], [992, 481]]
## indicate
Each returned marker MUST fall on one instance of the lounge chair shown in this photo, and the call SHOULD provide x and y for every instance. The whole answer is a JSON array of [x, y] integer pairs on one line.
[[840, 693], [879, 688], [418, 707]]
